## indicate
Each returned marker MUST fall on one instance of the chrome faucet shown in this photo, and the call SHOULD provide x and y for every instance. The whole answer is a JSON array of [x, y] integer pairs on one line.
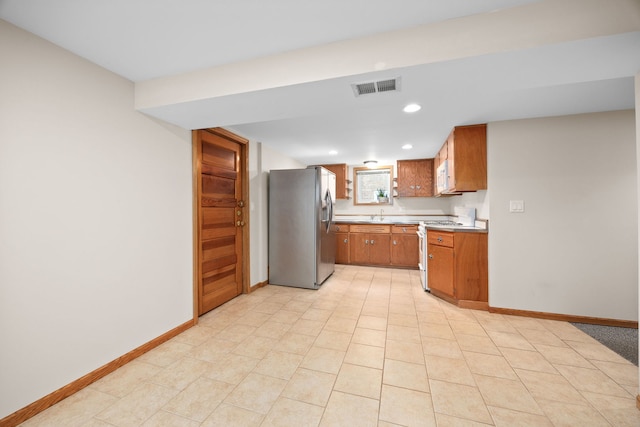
[[381, 217]]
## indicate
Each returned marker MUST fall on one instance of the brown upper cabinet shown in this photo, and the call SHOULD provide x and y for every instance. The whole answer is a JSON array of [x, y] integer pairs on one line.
[[466, 153], [415, 178], [342, 183]]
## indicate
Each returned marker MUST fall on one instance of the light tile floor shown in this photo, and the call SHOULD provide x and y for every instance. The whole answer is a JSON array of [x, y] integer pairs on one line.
[[370, 348]]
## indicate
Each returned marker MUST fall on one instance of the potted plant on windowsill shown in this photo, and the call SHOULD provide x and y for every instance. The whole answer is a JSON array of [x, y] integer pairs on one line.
[[382, 196]]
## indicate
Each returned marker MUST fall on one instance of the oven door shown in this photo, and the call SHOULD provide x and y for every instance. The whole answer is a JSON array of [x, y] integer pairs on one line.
[[422, 260]]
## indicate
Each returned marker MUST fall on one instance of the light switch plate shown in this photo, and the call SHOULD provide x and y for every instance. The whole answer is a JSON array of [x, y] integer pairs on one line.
[[516, 206]]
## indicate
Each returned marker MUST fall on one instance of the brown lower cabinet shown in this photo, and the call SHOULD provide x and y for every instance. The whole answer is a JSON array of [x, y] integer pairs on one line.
[[379, 245], [457, 267], [404, 246], [342, 244], [369, 244]]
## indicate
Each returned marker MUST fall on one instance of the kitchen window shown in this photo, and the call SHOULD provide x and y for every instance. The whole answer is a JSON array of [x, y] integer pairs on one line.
[[373, 186]]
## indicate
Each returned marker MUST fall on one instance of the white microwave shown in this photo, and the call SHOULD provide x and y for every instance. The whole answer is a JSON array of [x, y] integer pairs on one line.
[[442, 175]]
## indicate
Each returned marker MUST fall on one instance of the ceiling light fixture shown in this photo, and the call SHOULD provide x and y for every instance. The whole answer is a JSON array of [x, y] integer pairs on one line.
[[407, 147], [333, 152], [411, 108], [370, 163]]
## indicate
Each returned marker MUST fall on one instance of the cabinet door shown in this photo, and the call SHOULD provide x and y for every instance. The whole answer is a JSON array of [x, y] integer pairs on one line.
[[424, 178], [440, 269], [404, 250], [359, 248], [379, 249], [406, 178], [469, 153], [342, 248], [442, 157], [340, 170], [451, 157], [471, 272], [415, 178], [434, 174], [443, 154]]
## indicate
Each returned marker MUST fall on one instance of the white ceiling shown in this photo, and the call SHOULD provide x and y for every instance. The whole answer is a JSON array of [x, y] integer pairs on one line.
[[144, 40]]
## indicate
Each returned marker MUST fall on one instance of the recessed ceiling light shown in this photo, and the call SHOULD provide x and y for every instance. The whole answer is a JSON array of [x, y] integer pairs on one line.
[[407, 147], [411, 108], [333, 152]]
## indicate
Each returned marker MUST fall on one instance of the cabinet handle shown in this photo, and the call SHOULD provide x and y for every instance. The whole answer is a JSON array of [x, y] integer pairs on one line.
[[394, 242], [337, 228], [412, 187], [366, 242], [404, 229], [439, 238], [430, 256], [418, 187], [372, 242], [346, 241]]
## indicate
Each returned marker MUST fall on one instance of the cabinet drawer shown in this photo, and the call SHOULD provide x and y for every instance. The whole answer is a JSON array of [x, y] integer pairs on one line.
[[440, 238], [404, 229], [341, 228], [366, 228]]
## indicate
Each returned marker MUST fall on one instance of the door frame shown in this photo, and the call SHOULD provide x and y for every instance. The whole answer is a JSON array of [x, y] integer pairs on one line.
[[197, 192]]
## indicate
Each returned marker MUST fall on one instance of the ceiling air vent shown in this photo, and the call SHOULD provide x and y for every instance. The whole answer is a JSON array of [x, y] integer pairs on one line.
[[389, 85]]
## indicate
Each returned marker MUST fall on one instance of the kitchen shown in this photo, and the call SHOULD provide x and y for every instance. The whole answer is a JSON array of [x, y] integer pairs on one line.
[[538, 260], [522, 239]]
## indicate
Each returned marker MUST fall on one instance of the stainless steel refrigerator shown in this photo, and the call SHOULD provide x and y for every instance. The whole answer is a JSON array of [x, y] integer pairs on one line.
[[302, 240]]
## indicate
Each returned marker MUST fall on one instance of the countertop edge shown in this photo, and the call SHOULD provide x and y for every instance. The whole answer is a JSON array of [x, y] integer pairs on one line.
[[458, 229], [428, 227]]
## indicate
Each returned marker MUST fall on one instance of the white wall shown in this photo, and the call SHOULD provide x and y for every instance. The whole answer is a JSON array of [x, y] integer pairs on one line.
[[95, 220], [262, 160], [477, 199], [399, 206], [419, 205], [575, 248]]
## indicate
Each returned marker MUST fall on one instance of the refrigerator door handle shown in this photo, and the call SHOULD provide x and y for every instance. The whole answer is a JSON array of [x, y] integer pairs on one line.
[[329, 211]]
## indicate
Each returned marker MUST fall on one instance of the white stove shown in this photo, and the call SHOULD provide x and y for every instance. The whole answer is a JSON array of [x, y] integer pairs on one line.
[[422, 250], [465, 218]]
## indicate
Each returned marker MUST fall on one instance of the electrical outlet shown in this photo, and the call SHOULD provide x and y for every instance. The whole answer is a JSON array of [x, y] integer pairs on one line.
[[516, 206]]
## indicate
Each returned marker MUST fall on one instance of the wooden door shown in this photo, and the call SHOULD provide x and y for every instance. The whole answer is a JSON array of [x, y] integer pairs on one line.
[[219, 162]]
